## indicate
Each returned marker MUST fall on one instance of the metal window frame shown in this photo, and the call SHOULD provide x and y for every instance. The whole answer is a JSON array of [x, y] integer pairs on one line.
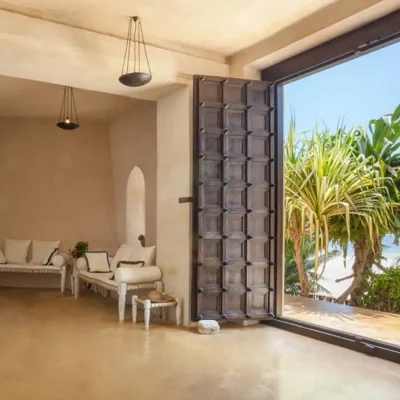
[[370, 37], [363, 40]]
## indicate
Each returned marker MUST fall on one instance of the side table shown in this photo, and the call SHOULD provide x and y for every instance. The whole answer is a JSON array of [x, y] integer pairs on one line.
[[149, 304]]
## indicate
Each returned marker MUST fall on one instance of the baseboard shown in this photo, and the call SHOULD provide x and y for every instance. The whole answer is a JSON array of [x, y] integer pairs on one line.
[[247, 322]]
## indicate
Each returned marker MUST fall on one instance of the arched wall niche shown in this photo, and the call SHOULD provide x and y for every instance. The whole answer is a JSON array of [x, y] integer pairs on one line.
[[135, 207]]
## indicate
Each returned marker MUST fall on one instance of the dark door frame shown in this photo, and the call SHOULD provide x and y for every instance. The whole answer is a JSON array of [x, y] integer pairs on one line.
[[358, 42], [234, 199]]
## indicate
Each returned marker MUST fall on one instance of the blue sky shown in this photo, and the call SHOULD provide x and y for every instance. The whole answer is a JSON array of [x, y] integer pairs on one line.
[[358, 90]]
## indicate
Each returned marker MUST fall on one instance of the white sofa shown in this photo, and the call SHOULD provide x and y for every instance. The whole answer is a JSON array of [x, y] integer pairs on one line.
[[34, 257], [123, 277]]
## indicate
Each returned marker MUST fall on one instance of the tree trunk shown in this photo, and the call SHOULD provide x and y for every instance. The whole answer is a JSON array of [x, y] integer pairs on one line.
[[373, 254], [296, 237], [361, 253]]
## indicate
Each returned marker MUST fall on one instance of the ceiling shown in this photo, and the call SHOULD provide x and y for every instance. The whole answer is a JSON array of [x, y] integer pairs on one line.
[[25, 98], [223, 27], [80, 43]]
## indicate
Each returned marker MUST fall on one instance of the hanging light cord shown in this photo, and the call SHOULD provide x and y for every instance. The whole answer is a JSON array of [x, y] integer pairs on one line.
[[144, 47], [127, 48], [68, 106], [138, 40], [74, 106], [135, 47], [62, 111], [68, 103]]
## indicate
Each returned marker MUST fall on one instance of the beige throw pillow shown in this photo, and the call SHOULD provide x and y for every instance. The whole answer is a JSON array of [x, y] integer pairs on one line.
[[2, 258], [97, 261], [43, 251], [145, 254], [16, 251], [122, 254]]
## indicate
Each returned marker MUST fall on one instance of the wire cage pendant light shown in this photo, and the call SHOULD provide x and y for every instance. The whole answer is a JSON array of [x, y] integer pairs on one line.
[[141, 74], [68, 118]]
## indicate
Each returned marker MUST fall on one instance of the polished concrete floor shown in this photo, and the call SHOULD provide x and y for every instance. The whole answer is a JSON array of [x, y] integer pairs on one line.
[[359, 321], [54, 348]]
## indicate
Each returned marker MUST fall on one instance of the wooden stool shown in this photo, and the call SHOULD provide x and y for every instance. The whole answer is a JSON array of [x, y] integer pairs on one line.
[[149, 304]]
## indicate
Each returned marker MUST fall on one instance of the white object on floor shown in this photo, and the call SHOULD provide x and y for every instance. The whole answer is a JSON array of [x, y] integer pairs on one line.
[[207, 327]]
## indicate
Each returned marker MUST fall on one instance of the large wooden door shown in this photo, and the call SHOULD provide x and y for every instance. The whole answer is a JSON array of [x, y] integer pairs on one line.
[[234, 221]]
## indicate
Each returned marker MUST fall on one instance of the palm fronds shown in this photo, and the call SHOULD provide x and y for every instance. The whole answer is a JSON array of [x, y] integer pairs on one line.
[[325, 181]]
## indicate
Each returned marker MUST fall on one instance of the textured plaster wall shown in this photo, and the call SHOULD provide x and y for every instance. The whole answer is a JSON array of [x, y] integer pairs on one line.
[[56, 184], [133, 142], [135, 207], [174, 177]]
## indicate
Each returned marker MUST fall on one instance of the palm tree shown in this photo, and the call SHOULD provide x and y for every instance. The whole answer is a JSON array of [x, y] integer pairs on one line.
[[326, 181], [292, 282], [381, 148], [295, 153], [382, 144]]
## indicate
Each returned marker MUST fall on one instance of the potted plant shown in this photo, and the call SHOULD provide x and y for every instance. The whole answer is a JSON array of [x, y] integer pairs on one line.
[[79, 250]]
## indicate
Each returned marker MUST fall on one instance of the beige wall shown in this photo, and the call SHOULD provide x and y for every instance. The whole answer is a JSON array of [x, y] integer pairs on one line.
[[56, 184], [174, 180], [133, 142]]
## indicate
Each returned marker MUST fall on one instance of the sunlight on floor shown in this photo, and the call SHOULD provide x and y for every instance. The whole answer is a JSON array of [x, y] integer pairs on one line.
[[372, 324]]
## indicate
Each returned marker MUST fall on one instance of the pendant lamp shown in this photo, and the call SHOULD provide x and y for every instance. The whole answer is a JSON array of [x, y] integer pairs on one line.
[[141, 74], [68, 119]]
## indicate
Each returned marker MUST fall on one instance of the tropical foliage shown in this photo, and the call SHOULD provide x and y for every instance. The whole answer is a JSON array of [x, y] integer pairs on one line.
[[380, 145], [342, 186], [292, 283], [381, 291]]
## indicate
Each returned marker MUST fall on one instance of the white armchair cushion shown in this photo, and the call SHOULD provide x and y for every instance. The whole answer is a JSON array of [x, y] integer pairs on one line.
[[2, 258], [97, 261], [122, 254], [145, 254], [44, 251], [59, 260], [16, 251], [132, 274]]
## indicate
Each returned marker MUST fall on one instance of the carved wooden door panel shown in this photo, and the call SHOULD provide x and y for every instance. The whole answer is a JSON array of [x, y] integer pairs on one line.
[[234, 258]]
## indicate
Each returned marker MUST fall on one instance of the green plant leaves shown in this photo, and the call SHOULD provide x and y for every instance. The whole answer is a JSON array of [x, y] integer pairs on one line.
[[381, 291], [396, 114], [343, 185]]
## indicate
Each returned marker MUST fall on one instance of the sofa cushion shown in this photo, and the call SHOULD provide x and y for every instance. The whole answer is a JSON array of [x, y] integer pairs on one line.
[[97, 261], [2, 258], [145, 254], [126, 275], [16, 251], [129, 274], [122, 254], [105, 277], [137, 264], [27, 268], [43, 251]]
